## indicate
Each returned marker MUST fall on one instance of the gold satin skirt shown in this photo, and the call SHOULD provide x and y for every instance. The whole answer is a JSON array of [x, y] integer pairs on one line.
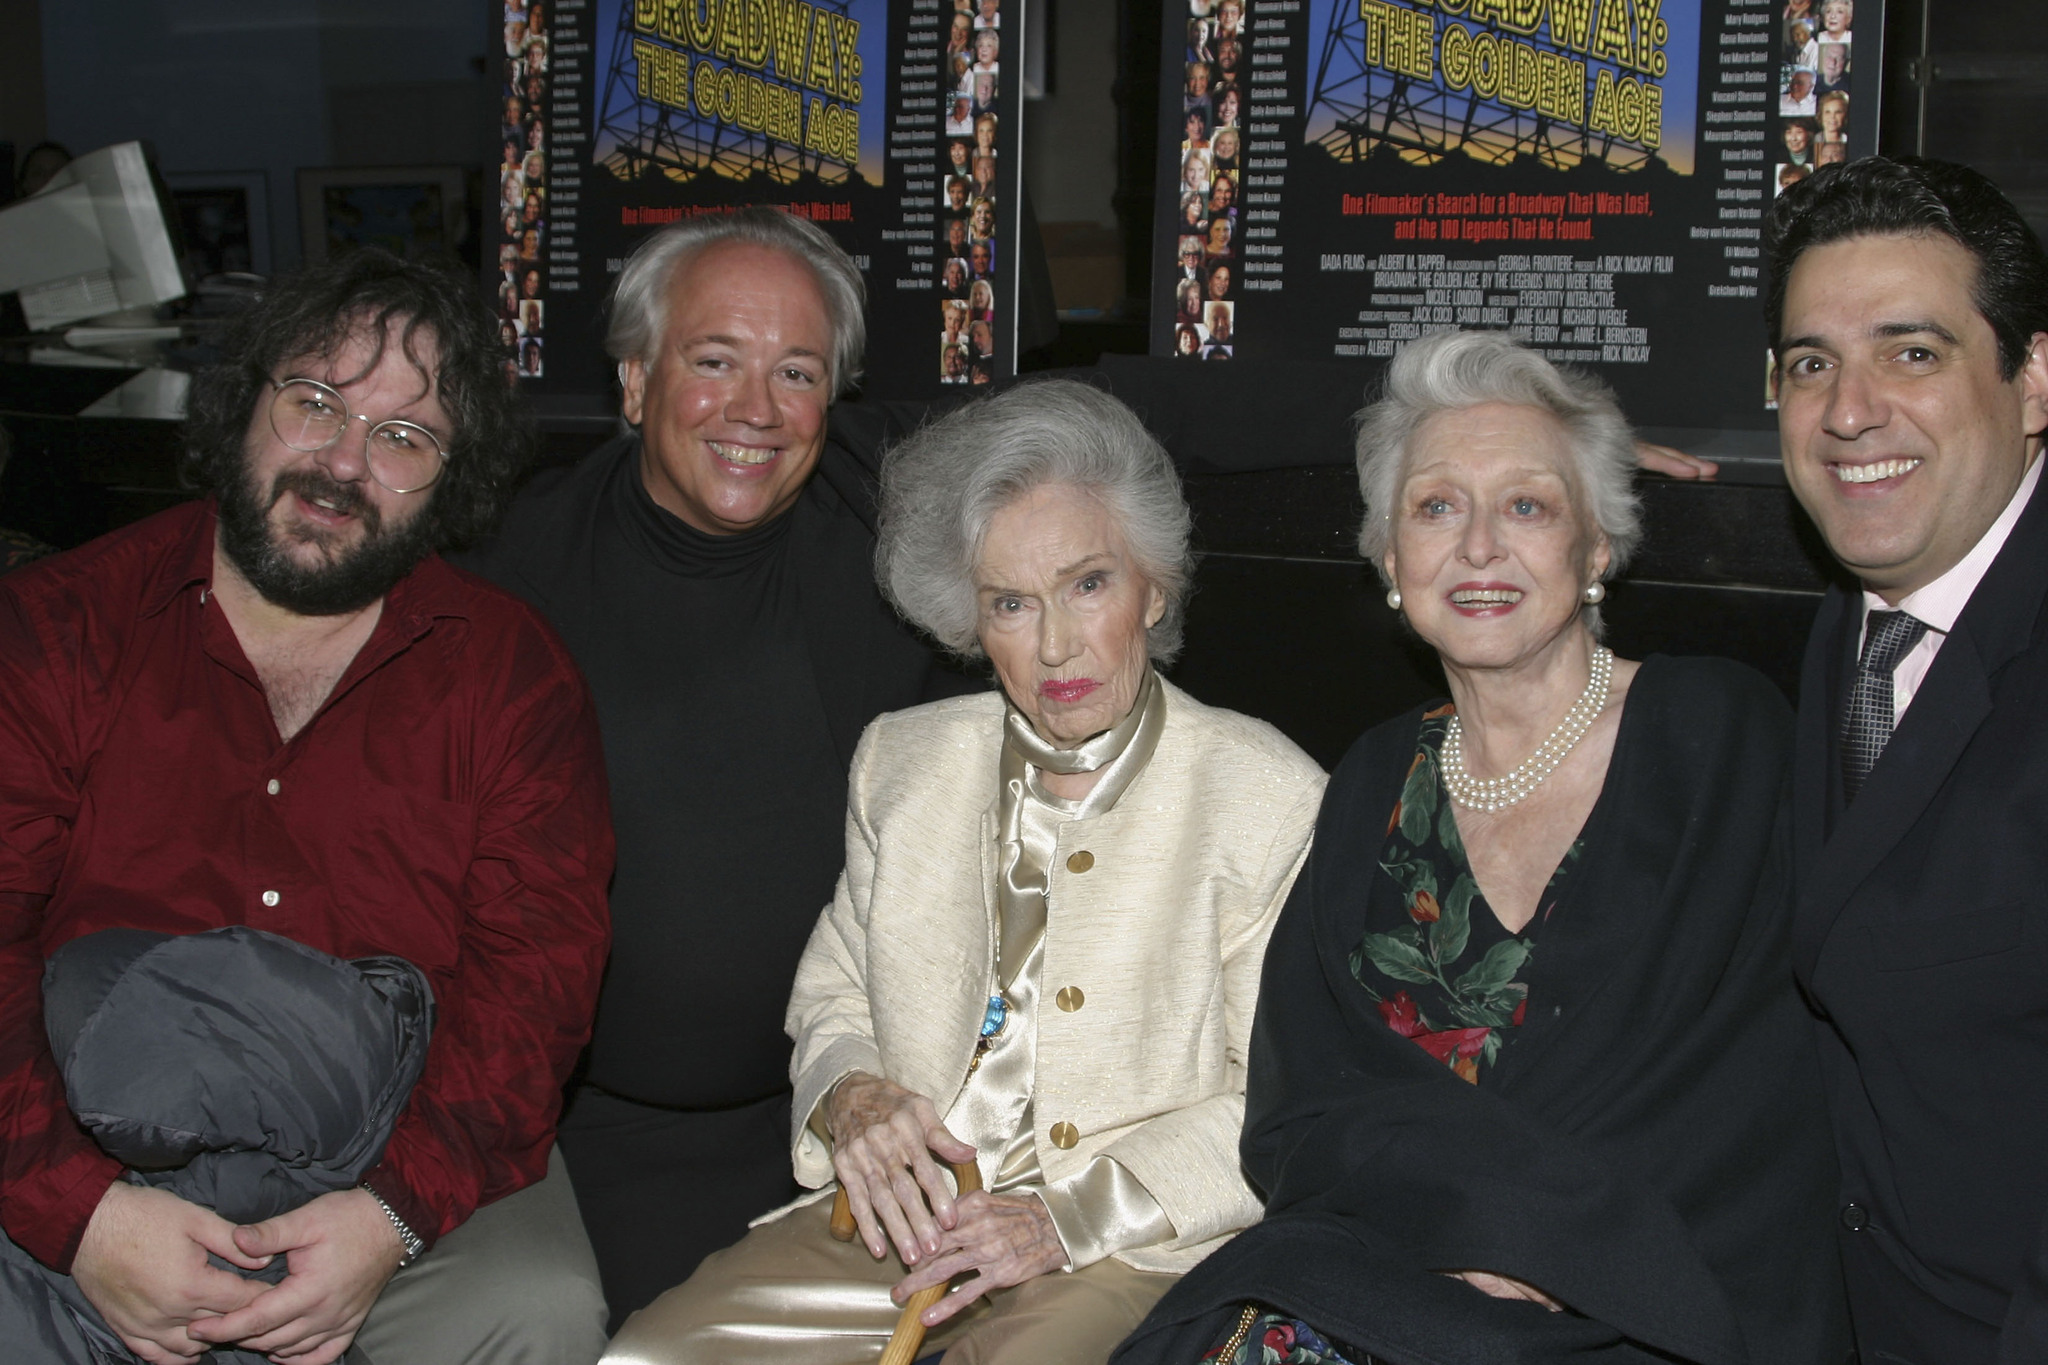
[[789, 1294]]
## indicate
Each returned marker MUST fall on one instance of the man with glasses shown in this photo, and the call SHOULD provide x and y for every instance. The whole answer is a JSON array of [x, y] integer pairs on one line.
[[277, 708]]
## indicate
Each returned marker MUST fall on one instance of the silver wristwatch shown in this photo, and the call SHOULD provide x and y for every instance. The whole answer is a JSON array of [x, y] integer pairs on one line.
[[407, 1238]]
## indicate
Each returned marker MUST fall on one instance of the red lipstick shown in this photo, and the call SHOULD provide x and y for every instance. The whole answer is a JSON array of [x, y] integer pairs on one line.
[[1067, 689]]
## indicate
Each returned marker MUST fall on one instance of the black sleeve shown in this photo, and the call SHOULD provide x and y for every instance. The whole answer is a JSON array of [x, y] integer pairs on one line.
[[859, 435]]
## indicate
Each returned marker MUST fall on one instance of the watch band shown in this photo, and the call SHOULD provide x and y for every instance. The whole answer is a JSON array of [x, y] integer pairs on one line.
[[407, 1238]]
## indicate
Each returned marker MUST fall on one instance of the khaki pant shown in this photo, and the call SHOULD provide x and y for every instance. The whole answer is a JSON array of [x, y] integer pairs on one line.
[[789, 1294], [515, 1285]]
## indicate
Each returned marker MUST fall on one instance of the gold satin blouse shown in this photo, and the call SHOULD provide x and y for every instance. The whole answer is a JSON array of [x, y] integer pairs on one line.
[[1102, 1208]]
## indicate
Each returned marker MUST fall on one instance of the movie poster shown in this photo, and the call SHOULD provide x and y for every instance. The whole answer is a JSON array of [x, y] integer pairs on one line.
[[892, 124], [1340, 176]]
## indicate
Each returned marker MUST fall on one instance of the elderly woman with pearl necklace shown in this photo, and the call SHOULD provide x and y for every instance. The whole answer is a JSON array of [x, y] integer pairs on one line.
[[1530, 1077], [1495, 534]]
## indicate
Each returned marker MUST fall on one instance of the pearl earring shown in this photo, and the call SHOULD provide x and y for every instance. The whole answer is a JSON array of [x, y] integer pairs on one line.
[[1596, 593], [1394, 598]]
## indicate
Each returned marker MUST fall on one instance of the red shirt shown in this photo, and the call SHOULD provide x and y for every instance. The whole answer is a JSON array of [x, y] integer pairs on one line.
[[447, 805]]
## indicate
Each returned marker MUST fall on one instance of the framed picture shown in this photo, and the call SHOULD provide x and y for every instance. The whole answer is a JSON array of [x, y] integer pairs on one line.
[[410, 211], [224, 217]]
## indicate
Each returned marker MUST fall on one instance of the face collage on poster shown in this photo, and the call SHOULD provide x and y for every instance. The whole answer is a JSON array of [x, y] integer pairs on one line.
[[522, 192], [1211, 171], [967, 225], [1813, 105], [1813, 88]]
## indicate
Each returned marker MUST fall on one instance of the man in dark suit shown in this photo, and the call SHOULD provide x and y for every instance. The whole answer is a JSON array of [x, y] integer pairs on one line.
[[1909, 312]]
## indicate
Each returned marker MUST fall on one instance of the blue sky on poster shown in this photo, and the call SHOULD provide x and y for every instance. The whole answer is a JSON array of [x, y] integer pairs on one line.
[[1680, 81], [873, 17]]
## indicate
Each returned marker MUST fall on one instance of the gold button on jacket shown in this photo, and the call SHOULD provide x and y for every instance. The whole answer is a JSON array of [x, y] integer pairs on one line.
[[1064, 1135], [1081, 862], [1070, 998]]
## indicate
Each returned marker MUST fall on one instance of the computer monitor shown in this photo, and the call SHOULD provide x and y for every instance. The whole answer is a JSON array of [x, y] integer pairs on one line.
[[95, 240]]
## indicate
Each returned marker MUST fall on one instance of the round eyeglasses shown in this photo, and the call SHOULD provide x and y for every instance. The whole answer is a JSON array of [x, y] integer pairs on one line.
[[308, 416]]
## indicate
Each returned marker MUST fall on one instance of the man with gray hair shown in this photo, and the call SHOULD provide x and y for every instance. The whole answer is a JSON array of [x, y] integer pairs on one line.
[[1796, 99], [1834, 68], [711, 571]]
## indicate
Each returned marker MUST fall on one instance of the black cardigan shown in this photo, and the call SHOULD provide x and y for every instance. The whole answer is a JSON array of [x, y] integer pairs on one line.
[[1651, 1148]]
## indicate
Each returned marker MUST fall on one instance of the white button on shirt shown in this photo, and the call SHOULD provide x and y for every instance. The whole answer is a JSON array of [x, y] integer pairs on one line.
[[270, 898], [1942, 601]]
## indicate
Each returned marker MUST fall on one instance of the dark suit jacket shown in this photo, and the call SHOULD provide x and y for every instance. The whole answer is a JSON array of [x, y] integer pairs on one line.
[[1921, 936]]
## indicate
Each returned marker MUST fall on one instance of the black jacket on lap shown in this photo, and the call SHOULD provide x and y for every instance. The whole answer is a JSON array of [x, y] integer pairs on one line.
[[1651, 1147]]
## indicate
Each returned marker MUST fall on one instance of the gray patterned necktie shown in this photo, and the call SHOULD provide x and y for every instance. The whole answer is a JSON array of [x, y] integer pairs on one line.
[[1867, 719]]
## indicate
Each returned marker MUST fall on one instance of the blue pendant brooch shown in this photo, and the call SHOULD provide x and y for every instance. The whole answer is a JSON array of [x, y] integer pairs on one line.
[[993, 1021]]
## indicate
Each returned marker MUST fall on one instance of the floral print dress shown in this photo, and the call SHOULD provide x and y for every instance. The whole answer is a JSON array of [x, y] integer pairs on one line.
[[1449, 975], [1269, 1338]]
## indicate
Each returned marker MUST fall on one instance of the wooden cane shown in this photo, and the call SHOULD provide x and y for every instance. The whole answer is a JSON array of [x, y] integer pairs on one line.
[[909, 1334]]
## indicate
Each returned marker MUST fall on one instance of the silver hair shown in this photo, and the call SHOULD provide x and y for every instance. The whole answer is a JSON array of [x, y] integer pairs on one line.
[[1455, 370], [943, 485], [639, 306]]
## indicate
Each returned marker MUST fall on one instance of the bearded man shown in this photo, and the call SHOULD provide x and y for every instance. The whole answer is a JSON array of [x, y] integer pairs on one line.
[[277, 709]]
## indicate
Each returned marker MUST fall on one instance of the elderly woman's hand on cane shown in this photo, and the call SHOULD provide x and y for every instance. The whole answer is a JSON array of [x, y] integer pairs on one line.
[[883, 1138], [884, 1162], [1004, 1239]]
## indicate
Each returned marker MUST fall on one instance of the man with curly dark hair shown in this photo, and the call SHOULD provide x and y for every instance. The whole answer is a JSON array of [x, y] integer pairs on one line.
[[372, 298], [277, 707]]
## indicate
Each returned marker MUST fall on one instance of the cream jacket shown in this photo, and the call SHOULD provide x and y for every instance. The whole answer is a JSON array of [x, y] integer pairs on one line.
[[1163, 933]]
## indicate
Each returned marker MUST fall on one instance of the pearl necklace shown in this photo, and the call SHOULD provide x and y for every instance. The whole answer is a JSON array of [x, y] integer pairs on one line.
[[1490, 794]]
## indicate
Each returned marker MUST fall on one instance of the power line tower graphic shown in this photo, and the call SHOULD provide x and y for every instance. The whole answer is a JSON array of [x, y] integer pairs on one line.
[[1367, 107], [635, 134]]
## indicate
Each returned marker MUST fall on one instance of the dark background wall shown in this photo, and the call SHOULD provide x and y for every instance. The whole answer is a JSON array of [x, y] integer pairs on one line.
[[273, 85], [267, 85]]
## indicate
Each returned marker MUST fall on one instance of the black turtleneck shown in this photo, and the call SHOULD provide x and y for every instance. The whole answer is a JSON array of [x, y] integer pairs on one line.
[[726, 793], [732, 676]]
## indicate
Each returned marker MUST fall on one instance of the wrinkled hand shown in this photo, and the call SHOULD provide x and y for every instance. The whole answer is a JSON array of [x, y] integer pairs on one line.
[[883, 1137], [1504, 1287], [1675, 463], [341, 1250], [142, 1263], [1005, 1239]]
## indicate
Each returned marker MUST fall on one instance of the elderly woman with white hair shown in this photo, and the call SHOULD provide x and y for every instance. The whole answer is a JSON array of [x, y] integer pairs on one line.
[[1043, 954], [1530, 1079]]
